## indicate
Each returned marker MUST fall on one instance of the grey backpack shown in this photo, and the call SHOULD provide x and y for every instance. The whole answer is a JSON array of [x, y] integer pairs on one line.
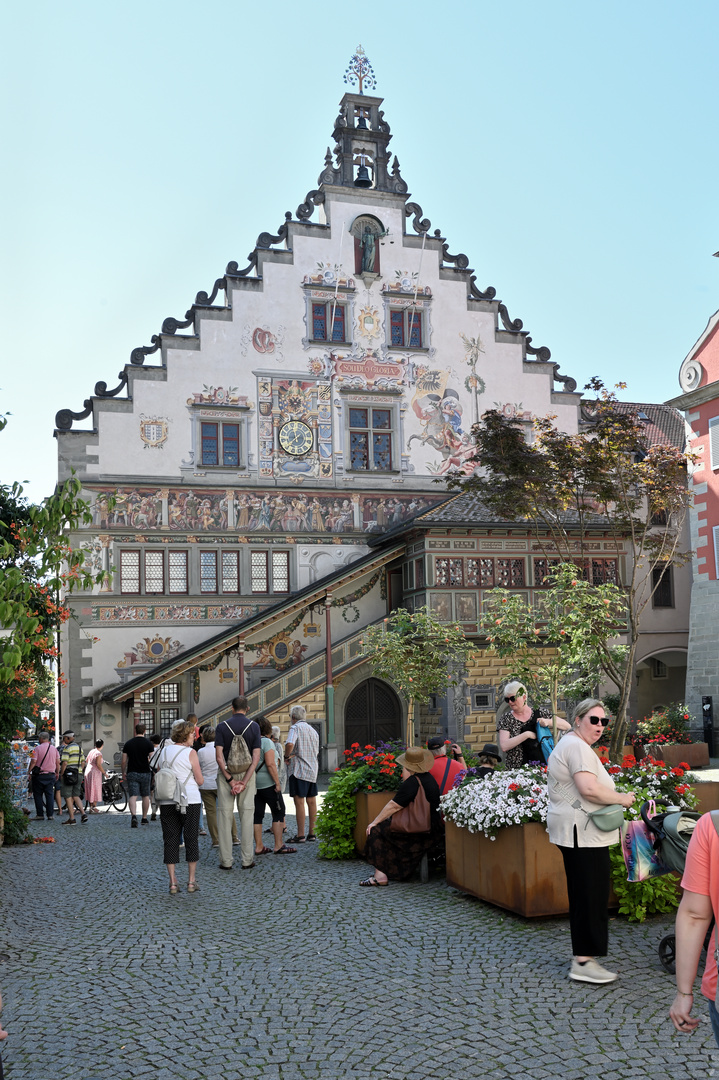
[[239, 758], [169, 789]]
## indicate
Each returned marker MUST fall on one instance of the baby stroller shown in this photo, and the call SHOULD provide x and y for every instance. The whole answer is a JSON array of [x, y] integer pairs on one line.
[[672, 830]]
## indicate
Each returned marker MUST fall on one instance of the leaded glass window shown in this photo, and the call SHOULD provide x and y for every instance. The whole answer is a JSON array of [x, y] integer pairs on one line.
[[208, 571], [177, 561]]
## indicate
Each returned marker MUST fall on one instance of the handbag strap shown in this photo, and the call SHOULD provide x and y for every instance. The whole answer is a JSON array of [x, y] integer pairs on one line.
[[446, 774]]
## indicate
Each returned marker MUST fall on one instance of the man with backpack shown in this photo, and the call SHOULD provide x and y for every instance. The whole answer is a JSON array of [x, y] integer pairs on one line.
[[71, 761], [237, 748]]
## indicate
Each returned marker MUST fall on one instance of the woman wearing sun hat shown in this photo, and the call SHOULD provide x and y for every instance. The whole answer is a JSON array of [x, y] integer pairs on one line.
[[395, 854]]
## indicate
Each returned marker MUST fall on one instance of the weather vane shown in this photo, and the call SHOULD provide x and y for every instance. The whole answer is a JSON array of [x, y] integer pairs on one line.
[[360, 71]]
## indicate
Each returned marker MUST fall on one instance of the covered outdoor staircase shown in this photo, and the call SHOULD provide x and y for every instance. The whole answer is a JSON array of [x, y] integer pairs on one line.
[[296, 681]]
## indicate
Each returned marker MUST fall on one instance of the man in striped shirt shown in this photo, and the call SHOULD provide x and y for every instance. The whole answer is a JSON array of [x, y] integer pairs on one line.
[[301, 756]]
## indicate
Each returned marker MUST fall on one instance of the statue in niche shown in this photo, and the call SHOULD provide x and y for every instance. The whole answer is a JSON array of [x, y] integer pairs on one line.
[[368, 241]]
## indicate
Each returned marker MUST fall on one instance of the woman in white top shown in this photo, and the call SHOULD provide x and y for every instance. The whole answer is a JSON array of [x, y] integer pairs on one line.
[[179, 756], [578, 785], [208, 763]]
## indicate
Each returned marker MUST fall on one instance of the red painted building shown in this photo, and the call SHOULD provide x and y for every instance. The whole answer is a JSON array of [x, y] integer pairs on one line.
[[699, 380]]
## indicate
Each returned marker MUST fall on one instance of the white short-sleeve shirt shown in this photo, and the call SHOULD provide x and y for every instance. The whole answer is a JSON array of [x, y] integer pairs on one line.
[[570, 756]]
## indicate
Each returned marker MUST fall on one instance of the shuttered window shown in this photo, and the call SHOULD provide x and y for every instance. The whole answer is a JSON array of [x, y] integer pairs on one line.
[[714, 441]]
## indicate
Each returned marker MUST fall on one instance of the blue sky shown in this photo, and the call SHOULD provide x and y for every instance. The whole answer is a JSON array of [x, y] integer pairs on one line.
[[570, 149]]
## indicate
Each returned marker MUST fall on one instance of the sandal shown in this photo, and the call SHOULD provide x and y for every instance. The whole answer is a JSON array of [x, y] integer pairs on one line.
[[285, 850], [311, 836], [174, 889], [297, 839], [371, 882], [193, 887], [264, 851]]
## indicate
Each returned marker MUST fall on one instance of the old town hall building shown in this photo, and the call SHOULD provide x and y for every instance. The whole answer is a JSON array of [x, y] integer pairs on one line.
[[264, 479]]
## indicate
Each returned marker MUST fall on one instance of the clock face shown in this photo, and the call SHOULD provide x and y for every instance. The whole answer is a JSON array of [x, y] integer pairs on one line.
[[295, 437]]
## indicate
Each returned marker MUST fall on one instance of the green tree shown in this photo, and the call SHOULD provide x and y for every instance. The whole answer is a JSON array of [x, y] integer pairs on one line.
[[37, 567], [576, 623], [419, 654], [567, 487]]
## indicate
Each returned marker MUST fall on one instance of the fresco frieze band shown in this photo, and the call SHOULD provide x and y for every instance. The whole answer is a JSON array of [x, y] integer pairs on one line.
[[206, 510]]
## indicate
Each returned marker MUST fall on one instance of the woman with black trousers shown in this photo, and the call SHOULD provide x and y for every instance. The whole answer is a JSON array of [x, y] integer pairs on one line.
[[578, 785]]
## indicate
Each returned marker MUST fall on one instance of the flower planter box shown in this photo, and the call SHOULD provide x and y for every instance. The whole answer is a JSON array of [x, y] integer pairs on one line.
[[520, 870], [707, 796], [696, 754], [369, 804]]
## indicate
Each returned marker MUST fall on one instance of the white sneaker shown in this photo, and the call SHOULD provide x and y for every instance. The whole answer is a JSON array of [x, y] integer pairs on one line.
[[591, 972]]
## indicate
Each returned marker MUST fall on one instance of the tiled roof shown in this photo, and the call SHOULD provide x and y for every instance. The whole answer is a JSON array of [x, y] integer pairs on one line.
[[664, 424], [468, 509]]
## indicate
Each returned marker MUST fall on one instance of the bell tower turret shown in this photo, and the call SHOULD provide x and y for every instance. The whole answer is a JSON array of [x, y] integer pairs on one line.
[[362, 135]]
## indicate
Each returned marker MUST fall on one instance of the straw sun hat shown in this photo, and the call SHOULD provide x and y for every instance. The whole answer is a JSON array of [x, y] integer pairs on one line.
[[416, 760]]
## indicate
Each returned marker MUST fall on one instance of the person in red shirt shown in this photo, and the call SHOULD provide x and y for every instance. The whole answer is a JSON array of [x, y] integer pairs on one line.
[[699, 903], [445, 768]]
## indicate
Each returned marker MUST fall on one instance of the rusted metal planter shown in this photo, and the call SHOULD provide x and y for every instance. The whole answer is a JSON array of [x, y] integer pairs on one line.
[[696, 754], [520, 870], [369, 804], [707, 795]]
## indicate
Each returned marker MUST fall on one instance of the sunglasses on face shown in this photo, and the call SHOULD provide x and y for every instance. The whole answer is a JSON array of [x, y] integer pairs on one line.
[[512, 698], [603, 720]]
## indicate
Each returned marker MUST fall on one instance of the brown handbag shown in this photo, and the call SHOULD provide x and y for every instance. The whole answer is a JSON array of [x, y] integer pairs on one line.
[[415, 818]]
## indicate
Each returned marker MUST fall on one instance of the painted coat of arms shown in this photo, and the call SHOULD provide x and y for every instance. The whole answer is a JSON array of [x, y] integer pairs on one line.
[[153, 431]]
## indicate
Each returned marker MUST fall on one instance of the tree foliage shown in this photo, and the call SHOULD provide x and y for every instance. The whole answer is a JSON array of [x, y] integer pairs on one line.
[[577, 623], [568, 488], [37, 567], [418, 653]]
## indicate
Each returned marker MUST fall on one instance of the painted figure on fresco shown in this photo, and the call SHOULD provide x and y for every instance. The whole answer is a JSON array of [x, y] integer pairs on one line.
[[440, 414]]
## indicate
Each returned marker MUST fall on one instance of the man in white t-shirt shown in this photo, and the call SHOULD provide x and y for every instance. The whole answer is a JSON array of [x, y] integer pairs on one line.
[[301, 757]]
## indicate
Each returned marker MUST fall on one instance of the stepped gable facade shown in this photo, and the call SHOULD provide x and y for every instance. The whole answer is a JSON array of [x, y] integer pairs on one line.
[[302, 408]]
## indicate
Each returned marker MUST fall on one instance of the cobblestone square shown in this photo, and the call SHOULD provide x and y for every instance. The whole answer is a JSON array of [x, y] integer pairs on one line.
[[291, 971]]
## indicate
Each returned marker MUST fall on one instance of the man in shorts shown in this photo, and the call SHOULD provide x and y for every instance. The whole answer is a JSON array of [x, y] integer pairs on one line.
[[136, 774], [72, 758], [301, 757]]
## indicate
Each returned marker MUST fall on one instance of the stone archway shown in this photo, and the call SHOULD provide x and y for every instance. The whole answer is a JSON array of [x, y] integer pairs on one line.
[[660, 679], [373, 713]]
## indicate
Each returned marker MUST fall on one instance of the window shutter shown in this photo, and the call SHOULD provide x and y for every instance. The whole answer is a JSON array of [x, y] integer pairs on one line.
[[714, 441]]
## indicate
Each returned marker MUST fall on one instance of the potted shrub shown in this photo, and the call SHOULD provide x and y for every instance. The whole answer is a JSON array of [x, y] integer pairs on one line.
[[360, 787], [498, 848]]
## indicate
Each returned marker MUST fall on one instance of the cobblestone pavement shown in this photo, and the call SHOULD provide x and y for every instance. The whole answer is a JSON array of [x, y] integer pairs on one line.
[[290, 971]]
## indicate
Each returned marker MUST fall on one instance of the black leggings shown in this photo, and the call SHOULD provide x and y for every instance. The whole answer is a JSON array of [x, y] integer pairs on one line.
[[588, 871], [174, 824]]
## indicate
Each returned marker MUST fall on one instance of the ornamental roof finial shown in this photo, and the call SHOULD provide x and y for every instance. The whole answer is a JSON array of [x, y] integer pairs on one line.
[[360, 71]]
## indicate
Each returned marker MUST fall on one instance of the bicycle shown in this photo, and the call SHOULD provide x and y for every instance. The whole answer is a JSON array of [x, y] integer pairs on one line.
[[113, 793]]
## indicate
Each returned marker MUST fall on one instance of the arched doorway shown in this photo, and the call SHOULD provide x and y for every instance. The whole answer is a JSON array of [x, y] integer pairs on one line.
[[372, 714]]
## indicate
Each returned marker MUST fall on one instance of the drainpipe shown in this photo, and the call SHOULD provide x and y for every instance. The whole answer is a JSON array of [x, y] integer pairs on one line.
[[329, 688]]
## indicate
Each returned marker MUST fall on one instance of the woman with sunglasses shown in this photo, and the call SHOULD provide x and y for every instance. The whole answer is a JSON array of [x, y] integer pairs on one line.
[[517, 727], [578, 785]]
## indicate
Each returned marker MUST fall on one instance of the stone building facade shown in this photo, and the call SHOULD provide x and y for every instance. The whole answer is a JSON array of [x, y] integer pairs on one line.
[[255, 473]]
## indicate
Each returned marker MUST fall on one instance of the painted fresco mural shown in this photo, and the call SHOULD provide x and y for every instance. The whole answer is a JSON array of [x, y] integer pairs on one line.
[[254, 512]]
